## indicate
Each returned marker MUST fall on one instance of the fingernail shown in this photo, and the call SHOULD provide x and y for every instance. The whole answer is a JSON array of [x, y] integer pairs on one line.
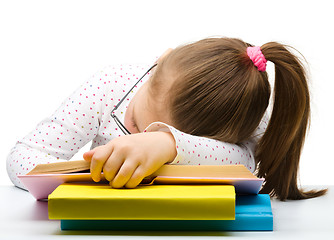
[[96, 179]]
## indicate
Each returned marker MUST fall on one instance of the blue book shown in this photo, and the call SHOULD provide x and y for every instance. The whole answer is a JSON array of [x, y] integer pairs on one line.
[[252, 213]]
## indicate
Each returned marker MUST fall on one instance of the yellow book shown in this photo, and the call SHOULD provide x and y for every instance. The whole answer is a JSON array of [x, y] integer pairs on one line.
[[146, 202]]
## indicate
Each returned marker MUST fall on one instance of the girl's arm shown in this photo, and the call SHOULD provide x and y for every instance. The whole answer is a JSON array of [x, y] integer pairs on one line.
[[126, 160], [194, 150], [60, 136]]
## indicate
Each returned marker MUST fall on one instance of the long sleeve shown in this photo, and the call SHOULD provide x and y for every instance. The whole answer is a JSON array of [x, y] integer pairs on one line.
[[194, 150], [60, 136]]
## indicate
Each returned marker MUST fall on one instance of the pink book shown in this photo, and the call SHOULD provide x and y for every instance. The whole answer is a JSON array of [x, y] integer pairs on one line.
[[45, 178]]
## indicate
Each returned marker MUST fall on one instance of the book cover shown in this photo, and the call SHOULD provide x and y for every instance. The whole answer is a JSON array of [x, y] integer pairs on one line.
[[252, 213], [151, 202], [43, 179]]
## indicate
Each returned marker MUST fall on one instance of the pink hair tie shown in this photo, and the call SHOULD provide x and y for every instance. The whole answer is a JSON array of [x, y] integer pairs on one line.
[[257, 57]]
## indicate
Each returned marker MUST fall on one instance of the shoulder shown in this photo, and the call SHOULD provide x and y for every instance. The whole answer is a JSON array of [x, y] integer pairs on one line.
[[117, 77], [124, 71], [260, 130]]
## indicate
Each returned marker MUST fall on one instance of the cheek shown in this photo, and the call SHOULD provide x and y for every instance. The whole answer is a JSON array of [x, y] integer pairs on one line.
[[132, 129], [129, 125], [128, 122]]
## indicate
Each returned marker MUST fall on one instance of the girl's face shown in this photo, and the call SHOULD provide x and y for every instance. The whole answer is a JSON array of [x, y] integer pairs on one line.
[[144, 109]]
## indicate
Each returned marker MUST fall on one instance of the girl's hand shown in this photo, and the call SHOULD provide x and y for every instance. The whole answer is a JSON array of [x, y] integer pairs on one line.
[[126, 160]]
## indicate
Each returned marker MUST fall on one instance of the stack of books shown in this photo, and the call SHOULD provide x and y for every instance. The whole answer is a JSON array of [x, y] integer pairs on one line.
[[176, 197]]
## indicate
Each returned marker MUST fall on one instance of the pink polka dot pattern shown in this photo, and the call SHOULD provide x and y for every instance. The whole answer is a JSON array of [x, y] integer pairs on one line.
[[85, 117], [194, 150]]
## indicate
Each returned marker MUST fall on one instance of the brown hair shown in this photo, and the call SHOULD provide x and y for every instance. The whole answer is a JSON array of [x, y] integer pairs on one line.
[[217, 92]]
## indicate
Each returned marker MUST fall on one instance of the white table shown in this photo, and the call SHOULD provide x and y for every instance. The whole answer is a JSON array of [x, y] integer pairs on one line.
[[22, 217]]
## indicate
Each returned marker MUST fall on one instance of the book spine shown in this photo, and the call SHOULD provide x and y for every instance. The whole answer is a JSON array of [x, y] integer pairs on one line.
[[215, 208], [261, 222]]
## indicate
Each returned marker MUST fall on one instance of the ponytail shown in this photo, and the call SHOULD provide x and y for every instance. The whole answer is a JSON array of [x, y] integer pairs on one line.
[[221, 92], [278, 151]]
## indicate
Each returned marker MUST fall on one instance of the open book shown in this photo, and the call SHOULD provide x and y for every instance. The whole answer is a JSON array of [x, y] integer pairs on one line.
[[44, 178]]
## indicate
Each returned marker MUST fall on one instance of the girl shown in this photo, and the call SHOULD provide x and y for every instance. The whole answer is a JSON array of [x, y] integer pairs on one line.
[[96, 112], [215, 88]]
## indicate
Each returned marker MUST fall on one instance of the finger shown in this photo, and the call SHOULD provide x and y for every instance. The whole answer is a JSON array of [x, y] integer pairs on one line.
[[136, 178], [124, 174], [113, 165], [88, 155], [100, 156]]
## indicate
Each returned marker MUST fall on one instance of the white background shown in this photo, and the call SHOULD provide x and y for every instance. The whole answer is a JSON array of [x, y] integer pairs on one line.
[[48, 48]]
